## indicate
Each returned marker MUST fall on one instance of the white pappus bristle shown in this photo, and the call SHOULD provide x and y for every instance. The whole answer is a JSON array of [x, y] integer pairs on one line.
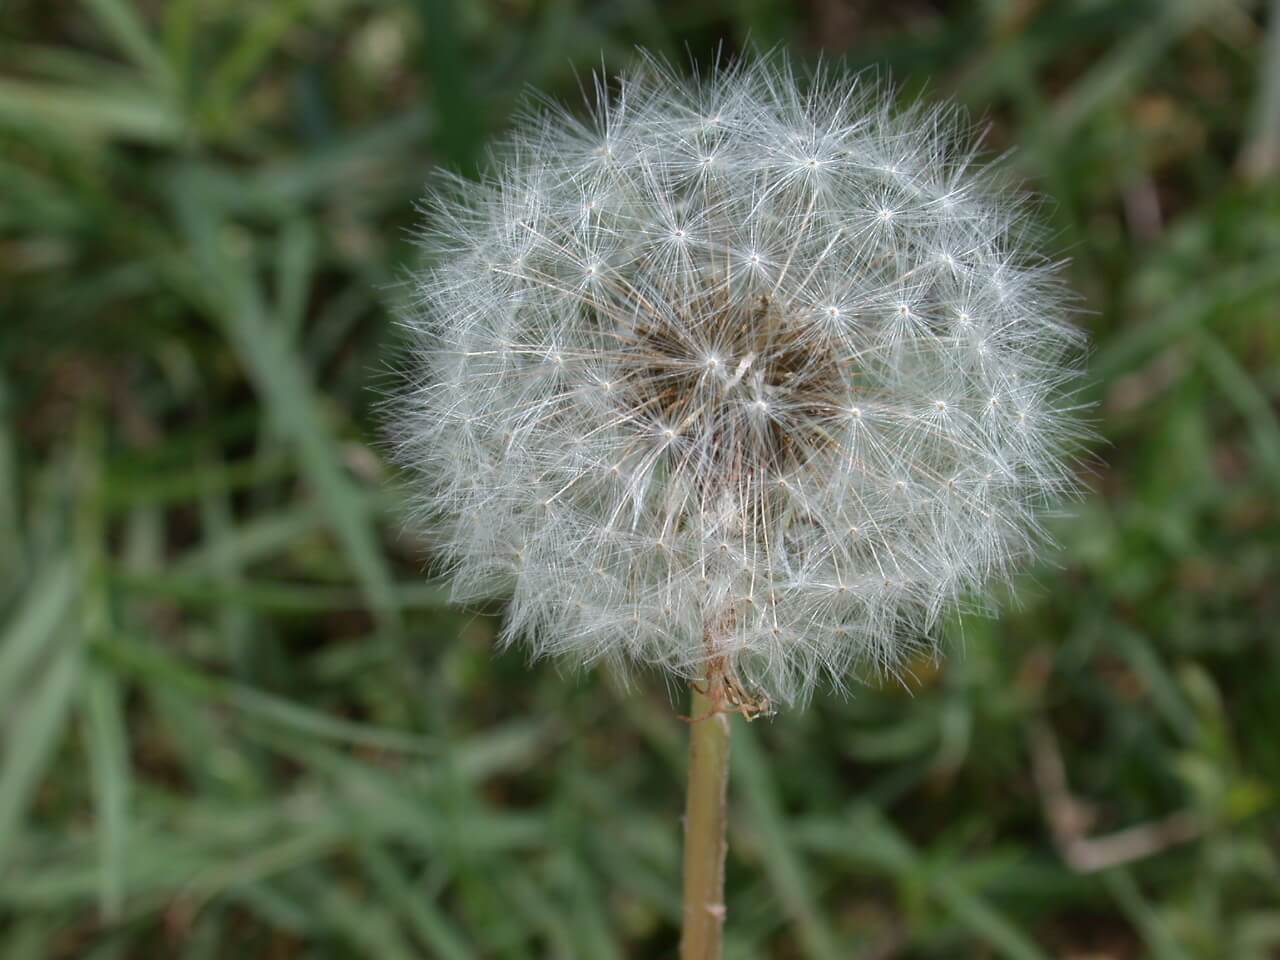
[[755, 348]]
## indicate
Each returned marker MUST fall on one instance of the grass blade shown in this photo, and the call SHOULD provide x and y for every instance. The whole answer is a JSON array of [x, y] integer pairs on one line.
[[757, 791], [1246, 396], [11, 532], [152, 666], [983, 921], [1150, 924], [31, 631], [122, 22], [432, 926], [30, 741], [122, 112], [109, 760], [277, 373]]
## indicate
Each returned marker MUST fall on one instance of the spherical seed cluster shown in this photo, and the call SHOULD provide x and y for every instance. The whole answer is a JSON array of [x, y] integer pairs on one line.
[[751, 369]]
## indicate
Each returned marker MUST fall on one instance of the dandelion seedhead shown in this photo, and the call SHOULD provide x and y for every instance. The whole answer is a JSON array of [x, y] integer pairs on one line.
[[752, 369]]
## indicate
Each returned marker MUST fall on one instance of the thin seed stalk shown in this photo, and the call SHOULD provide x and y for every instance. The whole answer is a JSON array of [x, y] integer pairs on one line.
[[704, 825]]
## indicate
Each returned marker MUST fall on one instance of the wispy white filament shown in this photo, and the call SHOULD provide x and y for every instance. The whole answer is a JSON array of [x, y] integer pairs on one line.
[[755, 350]]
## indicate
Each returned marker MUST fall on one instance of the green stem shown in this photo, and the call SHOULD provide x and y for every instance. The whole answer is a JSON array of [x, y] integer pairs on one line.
[[704, 828]]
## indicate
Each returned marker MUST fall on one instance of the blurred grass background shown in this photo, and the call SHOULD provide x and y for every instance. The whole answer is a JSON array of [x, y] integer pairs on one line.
[[237, 721]]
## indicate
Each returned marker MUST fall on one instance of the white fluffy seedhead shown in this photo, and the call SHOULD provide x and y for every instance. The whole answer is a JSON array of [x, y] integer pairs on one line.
[[752, 368]]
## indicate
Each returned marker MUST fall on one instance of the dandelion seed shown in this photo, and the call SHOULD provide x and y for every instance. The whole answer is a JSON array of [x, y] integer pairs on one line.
[[679, 372]]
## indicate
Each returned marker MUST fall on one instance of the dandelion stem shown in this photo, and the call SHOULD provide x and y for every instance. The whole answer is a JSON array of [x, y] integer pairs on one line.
[[704, 827]]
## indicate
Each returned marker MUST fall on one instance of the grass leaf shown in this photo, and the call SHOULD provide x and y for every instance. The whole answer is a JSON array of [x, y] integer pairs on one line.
[[31, 738]]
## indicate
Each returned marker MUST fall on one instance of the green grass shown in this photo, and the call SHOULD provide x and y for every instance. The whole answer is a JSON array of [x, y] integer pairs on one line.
[[237, 721]]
